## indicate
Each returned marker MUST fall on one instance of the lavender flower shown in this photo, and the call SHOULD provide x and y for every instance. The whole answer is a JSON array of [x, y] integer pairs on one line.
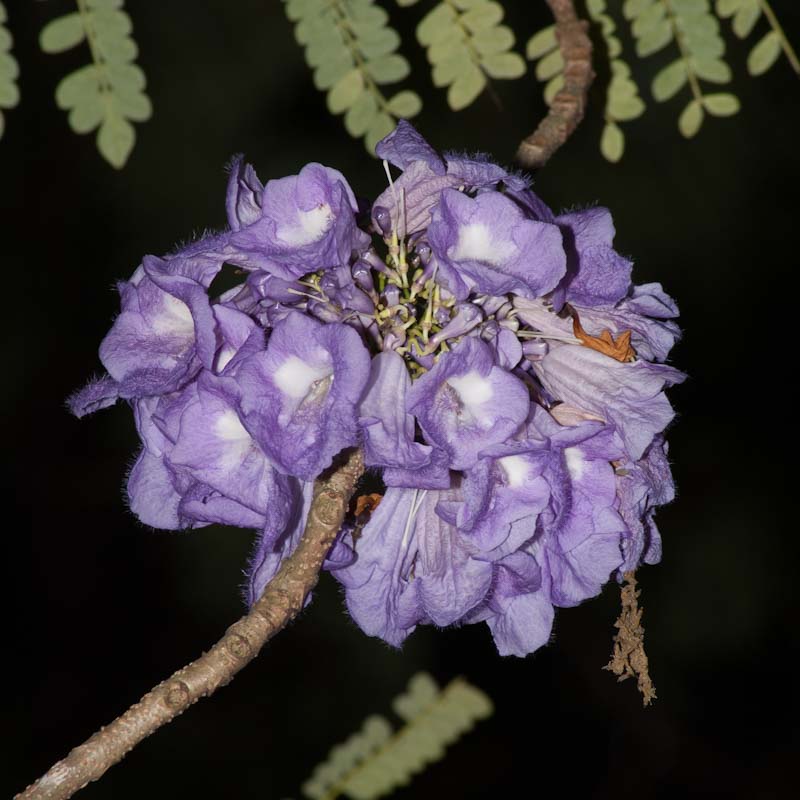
[[502, 374]]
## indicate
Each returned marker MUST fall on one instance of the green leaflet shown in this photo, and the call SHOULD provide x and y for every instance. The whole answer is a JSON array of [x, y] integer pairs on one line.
[[353, 52], [670, 80], [109, 93], [9, 70], [721, 105], [694, 30], [764, 54], [62, 34], [466, 44], [691, 119], [612, 142], [622, 94], [377, 759], [541, 43], [745, 14]]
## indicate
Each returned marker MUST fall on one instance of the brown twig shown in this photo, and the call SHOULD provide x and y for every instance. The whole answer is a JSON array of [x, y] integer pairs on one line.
[[280, 602], [628, 658], [568, 106]]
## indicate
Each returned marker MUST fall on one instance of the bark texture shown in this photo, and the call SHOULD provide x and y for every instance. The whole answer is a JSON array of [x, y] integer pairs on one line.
[[568, 106], [281, 601]]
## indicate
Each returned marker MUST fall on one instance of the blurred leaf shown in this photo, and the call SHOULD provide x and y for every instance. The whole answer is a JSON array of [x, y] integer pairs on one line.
[[691, 119], [465, 88], [494, 40], [405, 104], [551, 65], [388, 69], [656, 38], [712, 70], [332, 71], [435, 24], [115, 140], [669, 81], [381, 126], [446, 71], [649, 19], [77, 86], [62, 33], [612, 142], [634, 8], [745, 19], [721, 105], [482, 16], [541, 43], [345, 92], [120, 50], [625, 110], [504, 65], [727, 8], [360, 115], [379, 43], [764, 54], [110, 24], [87, 115]]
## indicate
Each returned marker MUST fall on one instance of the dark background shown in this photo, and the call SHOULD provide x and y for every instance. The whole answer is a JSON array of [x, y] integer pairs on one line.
[[99, 608]]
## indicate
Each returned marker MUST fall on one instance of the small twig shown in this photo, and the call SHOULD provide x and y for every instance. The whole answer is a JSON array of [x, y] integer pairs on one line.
[[628, 658], [280, 602], [568, 106]]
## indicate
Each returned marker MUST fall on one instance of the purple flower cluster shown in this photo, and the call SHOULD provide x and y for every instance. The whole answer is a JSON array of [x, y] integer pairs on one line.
[[502, 374]]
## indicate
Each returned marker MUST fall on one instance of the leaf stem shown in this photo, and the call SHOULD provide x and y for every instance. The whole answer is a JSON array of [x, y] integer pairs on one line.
[[351, 41], [106, 88], [474, 55], [694, 84], [788, 50]]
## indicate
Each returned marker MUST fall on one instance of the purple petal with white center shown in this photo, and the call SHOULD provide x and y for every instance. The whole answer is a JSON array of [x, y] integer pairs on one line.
[[300, 397], [388, 427], [166, 329], [307, 223], [629, 395], [466, 403], [217, 450], [97, 394], [504, 495], [486, 244]]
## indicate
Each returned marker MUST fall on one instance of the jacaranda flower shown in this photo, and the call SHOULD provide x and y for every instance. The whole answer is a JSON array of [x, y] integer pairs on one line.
[[503, 376]]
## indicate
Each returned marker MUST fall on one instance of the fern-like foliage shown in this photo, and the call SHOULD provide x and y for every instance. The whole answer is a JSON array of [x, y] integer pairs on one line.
[[745, 15], [9, 71], [353, 53], [467, 45], [107, 94], [694, 30], [376, 760], [623, 102]]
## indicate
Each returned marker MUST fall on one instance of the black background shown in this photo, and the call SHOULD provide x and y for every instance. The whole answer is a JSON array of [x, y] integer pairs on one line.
[[99, 609]]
